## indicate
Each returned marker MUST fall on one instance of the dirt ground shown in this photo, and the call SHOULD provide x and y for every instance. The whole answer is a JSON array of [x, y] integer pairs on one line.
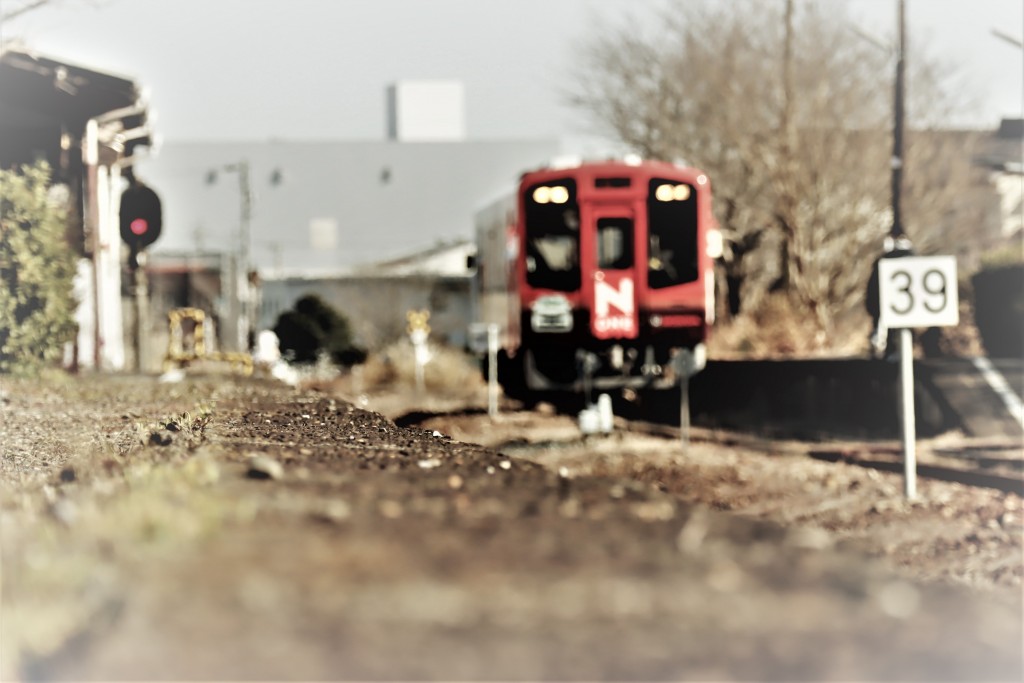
[[228, 529]]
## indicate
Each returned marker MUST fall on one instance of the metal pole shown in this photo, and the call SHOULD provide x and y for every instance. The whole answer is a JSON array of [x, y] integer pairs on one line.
[[685, 363], [92, 218], [250, 299], [907, 405], [898, 124], [492, 370], [141, 313], [684, 410]]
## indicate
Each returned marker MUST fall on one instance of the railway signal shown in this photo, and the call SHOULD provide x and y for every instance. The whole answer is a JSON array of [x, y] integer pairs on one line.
[[141, 217]]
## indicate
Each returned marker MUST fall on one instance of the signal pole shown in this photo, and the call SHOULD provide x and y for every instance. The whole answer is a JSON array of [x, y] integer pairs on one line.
[[242, 307], [898, 125]]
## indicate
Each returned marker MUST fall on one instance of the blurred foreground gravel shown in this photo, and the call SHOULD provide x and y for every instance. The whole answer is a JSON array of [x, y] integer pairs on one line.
[[231, 529]]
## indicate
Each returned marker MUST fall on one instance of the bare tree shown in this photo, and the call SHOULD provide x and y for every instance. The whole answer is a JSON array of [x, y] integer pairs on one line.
[[21, 9], [788, 111]]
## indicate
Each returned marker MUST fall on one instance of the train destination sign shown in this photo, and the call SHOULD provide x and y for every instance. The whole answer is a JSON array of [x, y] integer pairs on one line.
[[918, 291]]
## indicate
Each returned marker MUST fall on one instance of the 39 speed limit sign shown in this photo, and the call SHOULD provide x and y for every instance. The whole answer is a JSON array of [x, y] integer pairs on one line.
[[918, 291]]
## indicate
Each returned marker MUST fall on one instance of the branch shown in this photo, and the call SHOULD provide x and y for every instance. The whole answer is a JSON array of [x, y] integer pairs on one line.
[[23, 9]]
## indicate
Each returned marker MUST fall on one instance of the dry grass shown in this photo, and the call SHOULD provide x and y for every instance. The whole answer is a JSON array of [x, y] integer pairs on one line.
[[779, 330], [449, 371]]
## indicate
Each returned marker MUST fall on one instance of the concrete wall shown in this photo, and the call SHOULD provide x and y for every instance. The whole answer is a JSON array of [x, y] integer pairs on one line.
[[849, 398], [376, 306]]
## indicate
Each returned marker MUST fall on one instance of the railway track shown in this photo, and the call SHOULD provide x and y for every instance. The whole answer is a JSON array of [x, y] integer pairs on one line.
[[987, 463]]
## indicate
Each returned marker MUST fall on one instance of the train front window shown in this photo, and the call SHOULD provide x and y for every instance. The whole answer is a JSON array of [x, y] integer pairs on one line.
[[552, 225], [672, 233], [614, 243]]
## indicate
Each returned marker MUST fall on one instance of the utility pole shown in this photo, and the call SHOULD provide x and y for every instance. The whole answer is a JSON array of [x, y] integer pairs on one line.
[[898, 125], [243, 312], [247, 321]]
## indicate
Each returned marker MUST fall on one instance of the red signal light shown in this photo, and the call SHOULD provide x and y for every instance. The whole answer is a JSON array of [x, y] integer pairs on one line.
[[140, 217]]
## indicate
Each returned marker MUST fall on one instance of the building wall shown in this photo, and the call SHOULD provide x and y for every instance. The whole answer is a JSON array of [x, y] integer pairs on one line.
[[425, 111], [376, 306], [382, 200]]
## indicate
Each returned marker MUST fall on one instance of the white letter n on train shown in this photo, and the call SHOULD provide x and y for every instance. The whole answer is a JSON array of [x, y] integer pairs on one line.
[[621, 323]]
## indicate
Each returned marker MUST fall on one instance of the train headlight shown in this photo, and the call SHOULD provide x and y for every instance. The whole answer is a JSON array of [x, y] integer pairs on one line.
[[559, 195], [672, 193], [554, 194]]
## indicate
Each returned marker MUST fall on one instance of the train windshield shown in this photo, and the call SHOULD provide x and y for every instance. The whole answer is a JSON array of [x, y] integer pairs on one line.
[[672, 233], [552, 236]]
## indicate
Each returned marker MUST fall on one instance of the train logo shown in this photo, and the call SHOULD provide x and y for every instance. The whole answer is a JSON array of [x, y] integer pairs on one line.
[[622, 321]]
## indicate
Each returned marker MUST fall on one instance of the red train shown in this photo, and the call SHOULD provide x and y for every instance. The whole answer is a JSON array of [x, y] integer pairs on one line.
[[598, 275]]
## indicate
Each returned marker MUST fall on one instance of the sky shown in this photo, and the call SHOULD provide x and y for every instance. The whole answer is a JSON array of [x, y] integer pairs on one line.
[[318, 69]]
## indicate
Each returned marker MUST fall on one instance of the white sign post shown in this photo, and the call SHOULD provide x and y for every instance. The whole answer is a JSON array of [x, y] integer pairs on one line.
[[492, 370], [419, 330], [915, 291]]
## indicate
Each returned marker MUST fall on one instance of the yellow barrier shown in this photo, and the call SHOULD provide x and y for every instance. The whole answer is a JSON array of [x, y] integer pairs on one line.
[[179, 355]]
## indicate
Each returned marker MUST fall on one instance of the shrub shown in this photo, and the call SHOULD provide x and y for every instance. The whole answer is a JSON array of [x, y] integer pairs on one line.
[[37, 269], [313, 327]]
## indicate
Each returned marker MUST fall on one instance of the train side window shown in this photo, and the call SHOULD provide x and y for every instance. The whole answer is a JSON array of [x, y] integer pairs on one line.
[[614, 243], [672, 234]]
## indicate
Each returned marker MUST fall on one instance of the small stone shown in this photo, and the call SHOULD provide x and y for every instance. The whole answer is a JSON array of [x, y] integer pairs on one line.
[[455, 482], [437, 434], [161, 438], [1009, 519], [505, 465], [64, 511], [654, 510], [68, 474], [262, 467], [390, 509], [545, 408], [898, 599], [429, 463], [570, 508], [336, 511]]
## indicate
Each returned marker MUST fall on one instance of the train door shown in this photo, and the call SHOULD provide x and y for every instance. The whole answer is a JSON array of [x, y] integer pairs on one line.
[[614, 276]]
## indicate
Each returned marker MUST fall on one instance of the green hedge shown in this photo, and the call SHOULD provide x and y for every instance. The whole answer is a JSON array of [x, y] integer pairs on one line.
[[37, 269]]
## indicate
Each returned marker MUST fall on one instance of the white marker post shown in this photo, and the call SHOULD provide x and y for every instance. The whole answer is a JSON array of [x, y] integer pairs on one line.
[[688, 363], [915, 291], [419, 330], [492, 370]]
